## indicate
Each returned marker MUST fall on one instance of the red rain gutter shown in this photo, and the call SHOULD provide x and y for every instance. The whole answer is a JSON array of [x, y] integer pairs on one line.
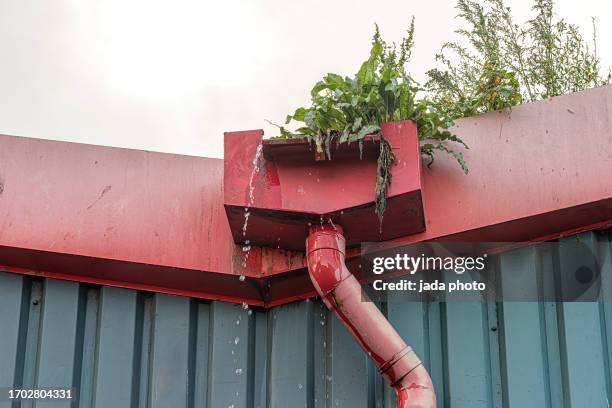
[[341, 293], [156, 221]]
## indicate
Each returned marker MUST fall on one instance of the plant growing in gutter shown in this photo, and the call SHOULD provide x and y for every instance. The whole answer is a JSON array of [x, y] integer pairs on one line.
[[345, 109], [497, 64], [503, 64]]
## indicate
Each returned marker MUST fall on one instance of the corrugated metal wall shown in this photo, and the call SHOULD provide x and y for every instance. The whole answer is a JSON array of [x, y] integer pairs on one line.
[[123, 348]]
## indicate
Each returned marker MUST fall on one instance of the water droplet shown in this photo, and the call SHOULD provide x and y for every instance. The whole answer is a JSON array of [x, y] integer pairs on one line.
[[247, 242], [332, 223], [230, 406], [300, 386], [239, 371], [246, 248], [245, 306], [236, 340], [322, 322], [250, 312], [246, 223], [242, 278]]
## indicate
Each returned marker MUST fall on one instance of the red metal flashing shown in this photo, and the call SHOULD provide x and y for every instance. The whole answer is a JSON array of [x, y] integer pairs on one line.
[[156, 221], [275, 189], [132, 275]]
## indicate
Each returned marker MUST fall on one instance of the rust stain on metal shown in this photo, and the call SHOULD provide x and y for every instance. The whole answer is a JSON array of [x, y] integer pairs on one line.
[[275, 261]]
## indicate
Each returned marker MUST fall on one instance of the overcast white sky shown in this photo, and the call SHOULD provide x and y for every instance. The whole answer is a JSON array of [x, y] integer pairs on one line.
[[173, 75]]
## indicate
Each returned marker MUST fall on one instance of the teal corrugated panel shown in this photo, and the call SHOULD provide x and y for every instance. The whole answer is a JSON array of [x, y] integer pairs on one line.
[[291, 367], [115, 353], [123, 348]]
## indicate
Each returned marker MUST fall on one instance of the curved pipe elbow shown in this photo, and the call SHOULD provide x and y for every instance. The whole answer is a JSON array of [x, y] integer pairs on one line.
[[415, 390], [324, 272], [341, 293]]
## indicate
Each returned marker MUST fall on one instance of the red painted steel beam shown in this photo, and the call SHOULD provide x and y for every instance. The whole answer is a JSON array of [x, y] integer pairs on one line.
[[125, 217], [109, 203], [539, 171]]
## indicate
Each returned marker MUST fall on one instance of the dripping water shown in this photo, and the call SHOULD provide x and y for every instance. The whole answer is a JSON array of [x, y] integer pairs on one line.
[[331, 222], [254, 171], [246, 248]]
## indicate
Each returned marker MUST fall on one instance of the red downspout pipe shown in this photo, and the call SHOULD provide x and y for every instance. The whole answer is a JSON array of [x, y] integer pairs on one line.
[[341, 293]]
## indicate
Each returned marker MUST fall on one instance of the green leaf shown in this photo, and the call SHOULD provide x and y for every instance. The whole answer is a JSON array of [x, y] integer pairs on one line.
[[319, 86], [285, 133], [457, 155], [368, 68], [305, 131], [309, 119], [334, 81], [366, 130], [298, 115], [345, 135]]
